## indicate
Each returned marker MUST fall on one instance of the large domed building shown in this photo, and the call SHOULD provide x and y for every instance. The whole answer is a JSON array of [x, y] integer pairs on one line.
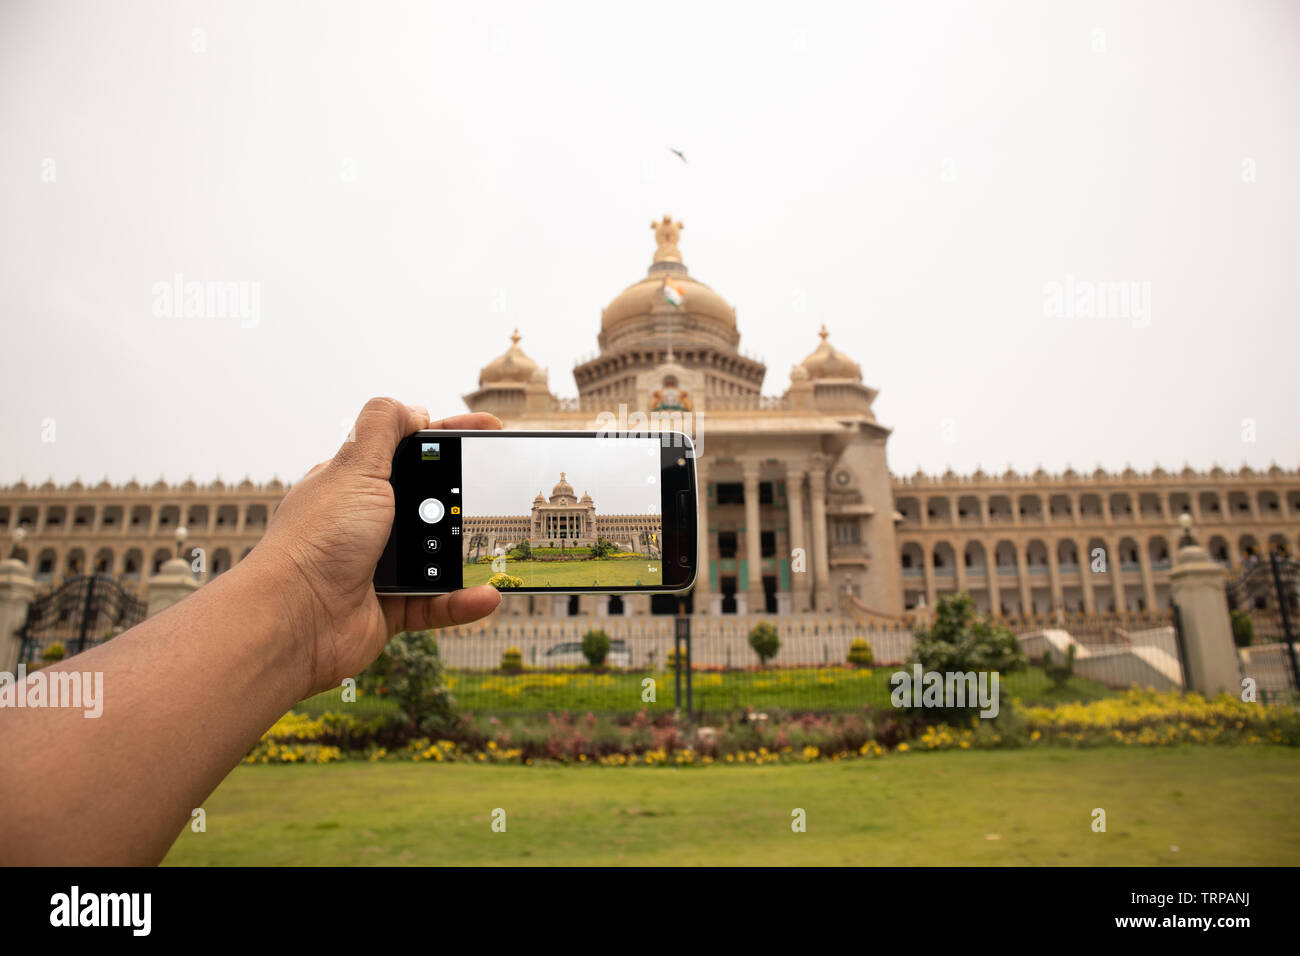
[[799, 505], [802, 514]]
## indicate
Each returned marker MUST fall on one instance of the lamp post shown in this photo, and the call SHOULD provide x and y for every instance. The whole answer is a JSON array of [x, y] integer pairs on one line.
[[181, 533]]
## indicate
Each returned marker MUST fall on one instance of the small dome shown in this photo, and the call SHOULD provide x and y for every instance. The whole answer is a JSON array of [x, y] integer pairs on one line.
[[511, 366], [586, 498], [828, 362], [562, 489]]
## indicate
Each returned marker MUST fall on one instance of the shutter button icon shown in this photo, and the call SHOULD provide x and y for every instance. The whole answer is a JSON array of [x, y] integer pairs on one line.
[[431, 511]]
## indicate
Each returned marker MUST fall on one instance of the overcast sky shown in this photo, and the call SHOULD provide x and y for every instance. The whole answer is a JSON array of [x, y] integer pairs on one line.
[[502, 476], [404, 184]]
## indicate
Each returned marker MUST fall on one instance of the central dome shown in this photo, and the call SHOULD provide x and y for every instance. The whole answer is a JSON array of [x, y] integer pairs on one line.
[[562, 489], [668, 296]]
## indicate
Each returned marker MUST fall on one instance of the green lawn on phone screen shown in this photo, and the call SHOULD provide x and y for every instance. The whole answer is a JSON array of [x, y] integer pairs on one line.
[[585, 572]]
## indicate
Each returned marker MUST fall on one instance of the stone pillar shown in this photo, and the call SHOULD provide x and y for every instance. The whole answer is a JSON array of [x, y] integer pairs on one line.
[[753, 536], [1117, 575], [1022, 577], [1148, 579], [1054, 572], [703, 592], [173, 582], [17, 589], [991, 574], [799, 580], [1196, 583], [1085, 578], [927, 568], [821, 558]]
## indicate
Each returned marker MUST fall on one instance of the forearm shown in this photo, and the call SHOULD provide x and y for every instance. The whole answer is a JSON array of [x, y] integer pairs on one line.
[[186, 694]]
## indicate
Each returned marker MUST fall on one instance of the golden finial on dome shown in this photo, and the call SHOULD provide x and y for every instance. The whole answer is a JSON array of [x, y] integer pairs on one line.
[[667, 233], [515, 336], [823, 333]]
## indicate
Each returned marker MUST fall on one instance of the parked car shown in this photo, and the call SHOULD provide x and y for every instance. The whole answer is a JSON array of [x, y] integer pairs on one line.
[[570, 655]]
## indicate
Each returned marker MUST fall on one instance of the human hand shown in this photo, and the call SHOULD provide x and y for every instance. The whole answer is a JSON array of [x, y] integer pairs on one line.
[[327, 536]]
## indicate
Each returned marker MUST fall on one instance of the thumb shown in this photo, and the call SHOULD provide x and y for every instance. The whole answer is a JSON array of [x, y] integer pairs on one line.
[[383, 423]]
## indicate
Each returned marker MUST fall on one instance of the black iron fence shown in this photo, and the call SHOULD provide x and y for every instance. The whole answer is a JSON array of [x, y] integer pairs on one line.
[[1264, 602], [820, 664]]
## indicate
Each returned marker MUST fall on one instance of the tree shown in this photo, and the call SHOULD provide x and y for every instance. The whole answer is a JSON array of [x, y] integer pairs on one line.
[[765, 641], [603, 548], [962, 641], [522, 551], [595, 647]]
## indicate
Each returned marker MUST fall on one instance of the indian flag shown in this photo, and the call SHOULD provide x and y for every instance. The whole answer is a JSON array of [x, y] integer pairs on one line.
[[674, 295]]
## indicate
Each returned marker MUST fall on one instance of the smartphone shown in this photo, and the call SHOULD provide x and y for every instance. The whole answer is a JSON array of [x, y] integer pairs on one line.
[[563, 512]]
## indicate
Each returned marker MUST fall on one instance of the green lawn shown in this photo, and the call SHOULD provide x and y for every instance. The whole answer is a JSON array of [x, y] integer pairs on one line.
[[602, 572], [812, 688], [1217, 805]]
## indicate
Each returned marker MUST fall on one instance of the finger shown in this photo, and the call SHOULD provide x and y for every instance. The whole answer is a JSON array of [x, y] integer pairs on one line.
[[445, 610], [474, 421], [383, 423]]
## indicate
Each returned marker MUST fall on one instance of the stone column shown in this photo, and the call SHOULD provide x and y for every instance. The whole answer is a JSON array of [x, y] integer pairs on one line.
[[1148, 579], [17, 589], [1085, 578], [1054, 572], [753, 537], [821, 559], [799, 580], [991, 573], [1197, 586], [1117, 575], [173, 582], [927, 568], [703, 591], [1022, 576]]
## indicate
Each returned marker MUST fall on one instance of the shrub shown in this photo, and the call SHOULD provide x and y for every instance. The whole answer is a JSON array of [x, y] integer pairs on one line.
[[512, 660], [962, 641], [765, 641], [522, 550], [1243, 629], [595, 647], [1059, 673], [860, 653], [504, 582], [54, 653], [670, 660], [415, 680], [603, 548]]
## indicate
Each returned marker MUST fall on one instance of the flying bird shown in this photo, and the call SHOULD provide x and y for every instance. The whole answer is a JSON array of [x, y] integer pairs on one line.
[[678, 153]]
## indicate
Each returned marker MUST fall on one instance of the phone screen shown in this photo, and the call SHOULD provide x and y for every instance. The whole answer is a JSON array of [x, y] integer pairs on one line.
[[541, 511]]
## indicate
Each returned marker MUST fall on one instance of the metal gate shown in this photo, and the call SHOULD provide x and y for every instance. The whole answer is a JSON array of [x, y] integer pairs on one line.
[[83, 611], [1265, 599]]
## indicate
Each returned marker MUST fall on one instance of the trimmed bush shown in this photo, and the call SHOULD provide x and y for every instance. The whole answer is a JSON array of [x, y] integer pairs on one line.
[[512, 660], [860, 653], [595, 647], [54, 653], [765, 641], [1243, 629], [505, 582]]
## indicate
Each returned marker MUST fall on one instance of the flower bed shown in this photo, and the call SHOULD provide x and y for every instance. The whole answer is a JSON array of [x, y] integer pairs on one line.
[[1138, 718]]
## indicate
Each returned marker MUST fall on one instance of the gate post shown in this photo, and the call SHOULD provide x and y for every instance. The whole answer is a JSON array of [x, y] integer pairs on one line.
[[173, 582], [1198, 588], [17, 588]]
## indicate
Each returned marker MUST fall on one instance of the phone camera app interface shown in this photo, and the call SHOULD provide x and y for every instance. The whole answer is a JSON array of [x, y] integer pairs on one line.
[[561, 512]]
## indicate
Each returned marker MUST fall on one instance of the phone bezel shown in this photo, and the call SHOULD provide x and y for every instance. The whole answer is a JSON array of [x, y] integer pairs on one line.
[[673, 479]]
